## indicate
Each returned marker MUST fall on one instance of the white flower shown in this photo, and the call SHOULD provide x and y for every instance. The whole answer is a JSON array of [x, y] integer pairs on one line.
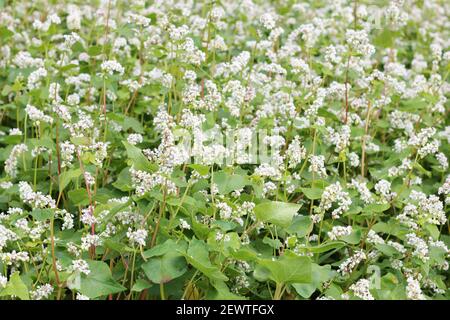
[[359, 42], [317, 165], [268, 20], [184, 224], [81, 297], [348, 265], [413, 291], [137, 237], [339, 231], [3, 281], [6, 235], [90, 240], [80, 266], [13, 257], [34, 199], [87, 216], [12, 161], [363, 190], [225, 210], [374, 238], [296, 152], [37, 115], [353, 159], [383, 187], [135, 138], [420, 247], [112, 66], [42, 292], [361, 289], [334, 193]]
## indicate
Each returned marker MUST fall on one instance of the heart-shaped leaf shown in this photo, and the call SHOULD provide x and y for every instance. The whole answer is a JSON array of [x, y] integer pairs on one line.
[[276, 212]]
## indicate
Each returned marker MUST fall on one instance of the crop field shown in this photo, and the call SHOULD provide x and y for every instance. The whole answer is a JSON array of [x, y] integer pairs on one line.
[[222, 150]]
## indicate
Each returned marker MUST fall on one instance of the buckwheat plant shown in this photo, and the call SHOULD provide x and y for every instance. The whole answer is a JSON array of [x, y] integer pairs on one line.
[[224, 149]]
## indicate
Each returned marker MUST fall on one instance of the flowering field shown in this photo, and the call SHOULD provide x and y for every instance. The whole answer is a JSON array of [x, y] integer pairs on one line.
[[244, 149]]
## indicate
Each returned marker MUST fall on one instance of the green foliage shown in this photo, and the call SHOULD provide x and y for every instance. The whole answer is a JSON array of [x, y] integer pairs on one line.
[[99, 282], [224, 150], [276, 212]]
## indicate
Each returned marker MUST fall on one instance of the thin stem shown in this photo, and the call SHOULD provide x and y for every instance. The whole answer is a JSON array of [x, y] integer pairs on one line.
[[52, 240], [346, 89], [366, 130], [161, 291], [161, 212]]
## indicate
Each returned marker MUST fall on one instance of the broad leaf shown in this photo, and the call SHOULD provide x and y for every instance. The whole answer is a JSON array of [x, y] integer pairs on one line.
[[163, 269], [198, 256], [312, 193], [376, 207], [140, 162], [15, 288], [324, 247], [276, 212], [227, 183], [301, 226], [320, 274], [288, 269], [99, 281], [66, 176]]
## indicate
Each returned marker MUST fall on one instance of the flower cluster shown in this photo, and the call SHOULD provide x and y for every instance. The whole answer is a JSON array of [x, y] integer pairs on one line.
[[202, 147]]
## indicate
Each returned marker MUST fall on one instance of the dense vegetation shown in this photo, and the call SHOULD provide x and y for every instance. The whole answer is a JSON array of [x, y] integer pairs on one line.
[[224, 149]]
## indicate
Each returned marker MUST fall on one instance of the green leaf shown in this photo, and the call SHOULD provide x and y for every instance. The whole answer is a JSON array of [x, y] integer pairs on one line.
[[201, 169], [6, 90], [79, 197], [438, 254], [117, 246], [5, 33], [133, 124], [433, 230], [276, 212], [376, 207], [66, 176], [67, 67], [140, 285], [391, 227], [274, 243], [15, 288], [165, 268], [197, 256], [227, 183], [201, 231], [140, 162], [95, 50], [386, 249], [385, 38], [288, 269], [352, 238], [123, 182], [222, 292], [324, 247], [301, 226], [225, 247], [261, 273], [80, 141], [165, 247], [99, 282], [42, 214], [412, 105], [245, 253], [312, 193], [320, 274], [225, 225]]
